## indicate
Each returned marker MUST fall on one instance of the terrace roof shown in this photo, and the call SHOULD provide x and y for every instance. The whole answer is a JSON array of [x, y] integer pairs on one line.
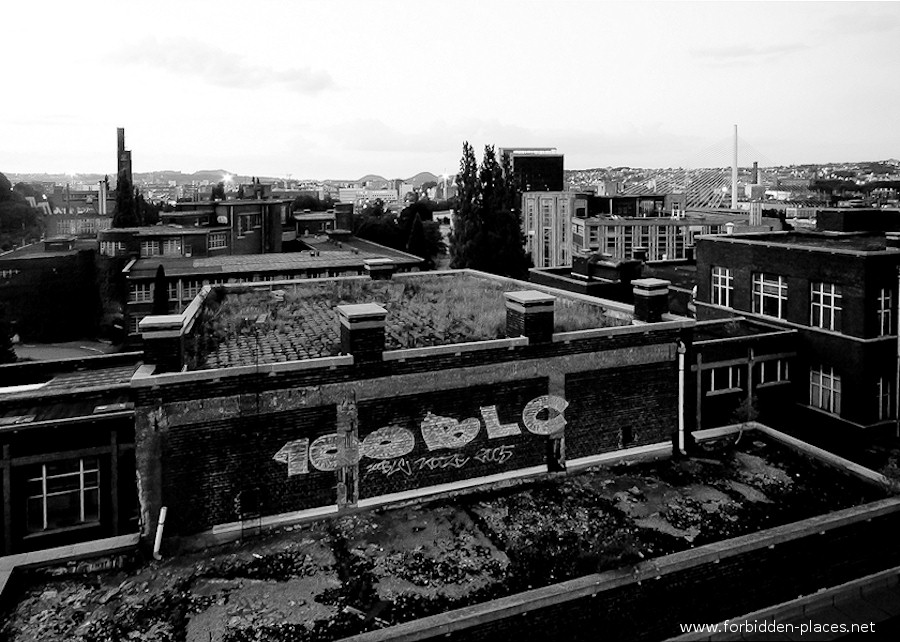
[[855, 242], [423, 310], [351, 253]]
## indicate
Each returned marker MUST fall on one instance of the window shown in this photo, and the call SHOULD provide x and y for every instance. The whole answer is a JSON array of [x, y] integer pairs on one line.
[[726, 378], [722, 286], [825, 306], [825, 389], [190, 289], [63, 494], [173, 291], [885, 307], [141, 292], [111, 248], [769, 295], [546, 248], [593, 236], [884, 398], [773, 371], [171, 247], [247, 222], [149, 248], [218, 240], [8, 273], [133, 325]]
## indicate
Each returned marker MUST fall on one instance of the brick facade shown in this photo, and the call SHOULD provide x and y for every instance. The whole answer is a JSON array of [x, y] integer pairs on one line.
[[204, 437]]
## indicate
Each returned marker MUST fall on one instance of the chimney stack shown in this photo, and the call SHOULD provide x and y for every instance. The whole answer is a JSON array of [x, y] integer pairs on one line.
[[163, 342], [362, 330], [529, 313], [651, 299]]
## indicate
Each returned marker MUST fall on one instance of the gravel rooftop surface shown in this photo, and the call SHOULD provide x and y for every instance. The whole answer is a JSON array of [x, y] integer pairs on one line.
[[341, 576]]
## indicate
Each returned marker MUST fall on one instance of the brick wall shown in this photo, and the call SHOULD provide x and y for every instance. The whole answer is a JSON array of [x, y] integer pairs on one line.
[[215, 472], [204, 442], [620, 407], [451, 438]]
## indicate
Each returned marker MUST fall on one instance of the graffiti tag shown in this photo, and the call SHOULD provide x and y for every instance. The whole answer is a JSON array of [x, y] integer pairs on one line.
[[541, 416]]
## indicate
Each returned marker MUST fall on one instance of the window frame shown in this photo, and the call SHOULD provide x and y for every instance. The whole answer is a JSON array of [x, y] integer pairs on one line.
[[732, 376], [721, 285], [825, 305], [45, 494], [825, 390], [763, 281]]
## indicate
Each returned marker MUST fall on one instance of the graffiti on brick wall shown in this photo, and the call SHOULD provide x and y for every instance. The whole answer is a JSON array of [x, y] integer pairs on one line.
[[390, 445]]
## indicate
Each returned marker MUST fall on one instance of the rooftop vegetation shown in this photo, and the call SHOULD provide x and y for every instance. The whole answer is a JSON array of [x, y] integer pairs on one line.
[[300, 322]]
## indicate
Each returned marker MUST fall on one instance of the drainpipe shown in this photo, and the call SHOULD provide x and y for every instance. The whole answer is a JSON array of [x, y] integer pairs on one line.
[[681, 351], [159, 533]]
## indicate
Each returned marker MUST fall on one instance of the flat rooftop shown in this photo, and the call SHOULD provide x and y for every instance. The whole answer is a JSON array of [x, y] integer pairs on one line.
[[733, 329], [37, 251], [823, 241], [423, 310], [412, 561], [169, 230], [350, 253]]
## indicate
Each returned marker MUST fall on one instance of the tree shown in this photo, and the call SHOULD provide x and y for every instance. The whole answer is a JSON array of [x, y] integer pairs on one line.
[[160, 292], [126, 208], [487, 225], [19, 222], [218, 192], [464, 242]]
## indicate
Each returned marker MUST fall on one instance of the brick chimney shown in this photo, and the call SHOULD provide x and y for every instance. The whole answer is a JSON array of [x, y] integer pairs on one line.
[[529, 313], [651, 299], [362, 330], [379, 269], [163, 342]]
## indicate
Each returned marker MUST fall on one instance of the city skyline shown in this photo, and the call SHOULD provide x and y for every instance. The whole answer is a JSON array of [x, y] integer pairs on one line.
[[339, 90]]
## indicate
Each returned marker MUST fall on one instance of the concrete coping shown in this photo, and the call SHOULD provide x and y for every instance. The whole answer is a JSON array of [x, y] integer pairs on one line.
[[453, 348], [358, 312], [379, 263], [650, 284], [530, 298], [161, 323]]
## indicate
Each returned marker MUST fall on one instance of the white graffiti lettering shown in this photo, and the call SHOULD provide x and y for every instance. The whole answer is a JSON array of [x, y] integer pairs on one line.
[[446, 432], [498, 455], [496, 430], [387, 443], [295, 454], [388, 467], [441, 461], [324, 451], [555, 421], [330, 452]]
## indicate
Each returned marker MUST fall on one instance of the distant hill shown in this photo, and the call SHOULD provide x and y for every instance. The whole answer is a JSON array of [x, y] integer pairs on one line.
[[372, 178], [422, 177]]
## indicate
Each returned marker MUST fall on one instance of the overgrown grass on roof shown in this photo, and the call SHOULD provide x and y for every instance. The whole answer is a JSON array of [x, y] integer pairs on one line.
[[423, 311]]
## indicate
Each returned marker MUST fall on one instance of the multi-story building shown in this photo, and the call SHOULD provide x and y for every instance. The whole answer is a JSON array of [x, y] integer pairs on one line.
[[204, 229], [839, 291], [536, 169], [49, 289], [652, 227], [338, 254]]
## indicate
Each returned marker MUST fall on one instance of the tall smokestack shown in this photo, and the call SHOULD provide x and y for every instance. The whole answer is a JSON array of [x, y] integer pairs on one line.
[[754, 176], [734, 194]]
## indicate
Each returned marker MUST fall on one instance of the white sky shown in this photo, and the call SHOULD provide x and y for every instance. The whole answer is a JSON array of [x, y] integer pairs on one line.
[[338, 89]]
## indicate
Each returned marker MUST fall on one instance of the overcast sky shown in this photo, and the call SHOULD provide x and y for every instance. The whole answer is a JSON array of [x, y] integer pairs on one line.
[[339, 89]]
